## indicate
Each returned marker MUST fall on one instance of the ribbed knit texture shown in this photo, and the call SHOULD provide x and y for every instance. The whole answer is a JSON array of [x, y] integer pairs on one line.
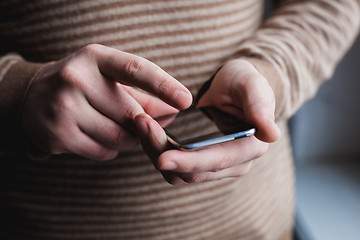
[[69, 197]]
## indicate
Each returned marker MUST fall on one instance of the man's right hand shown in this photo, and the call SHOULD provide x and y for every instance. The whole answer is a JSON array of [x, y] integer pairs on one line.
[[85, 104]]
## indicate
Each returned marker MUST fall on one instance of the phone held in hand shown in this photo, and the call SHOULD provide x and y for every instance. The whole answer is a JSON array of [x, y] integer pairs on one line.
[[197, 128]]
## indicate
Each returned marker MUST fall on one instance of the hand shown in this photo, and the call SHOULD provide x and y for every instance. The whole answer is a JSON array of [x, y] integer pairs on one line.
[[85, 104], [239, 89]]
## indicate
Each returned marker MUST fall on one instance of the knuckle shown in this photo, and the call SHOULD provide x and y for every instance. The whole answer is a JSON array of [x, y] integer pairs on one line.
[[70, 76], [241, 84], [91, 49], [162, 84], [68, 72], [62, 105], [133, 66]]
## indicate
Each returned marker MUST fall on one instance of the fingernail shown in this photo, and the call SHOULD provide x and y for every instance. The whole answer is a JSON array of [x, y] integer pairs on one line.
[[274, 127], [168, 165], [183, 97]]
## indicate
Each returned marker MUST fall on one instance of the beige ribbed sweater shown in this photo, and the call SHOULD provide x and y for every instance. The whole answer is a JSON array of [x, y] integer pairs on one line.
[[67, 197]]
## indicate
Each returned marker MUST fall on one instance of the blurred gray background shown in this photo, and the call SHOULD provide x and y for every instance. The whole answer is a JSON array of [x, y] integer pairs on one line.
[[326, 141]]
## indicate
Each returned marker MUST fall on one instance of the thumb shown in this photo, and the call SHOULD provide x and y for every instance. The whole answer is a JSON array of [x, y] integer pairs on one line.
[[267, 129], [259, 109], [152, 136], [258, 102]]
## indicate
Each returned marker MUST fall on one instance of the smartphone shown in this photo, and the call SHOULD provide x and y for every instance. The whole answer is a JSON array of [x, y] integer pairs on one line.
[[197, 128]]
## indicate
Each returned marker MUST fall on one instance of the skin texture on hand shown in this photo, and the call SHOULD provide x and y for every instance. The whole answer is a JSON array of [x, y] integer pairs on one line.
[[239, 89], [85, 104]]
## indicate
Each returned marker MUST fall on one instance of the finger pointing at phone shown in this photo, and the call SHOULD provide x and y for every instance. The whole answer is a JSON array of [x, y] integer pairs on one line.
[[85, 103]]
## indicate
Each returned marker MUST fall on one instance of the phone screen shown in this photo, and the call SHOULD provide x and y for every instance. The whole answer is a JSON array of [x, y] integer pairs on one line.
[[201, 127]]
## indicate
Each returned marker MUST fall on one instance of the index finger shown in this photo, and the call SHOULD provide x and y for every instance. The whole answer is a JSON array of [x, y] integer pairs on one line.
[[136, 71]]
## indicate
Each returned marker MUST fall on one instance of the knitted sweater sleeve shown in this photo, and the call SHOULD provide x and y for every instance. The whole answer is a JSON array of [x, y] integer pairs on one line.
[[298, 47], [15, 77]]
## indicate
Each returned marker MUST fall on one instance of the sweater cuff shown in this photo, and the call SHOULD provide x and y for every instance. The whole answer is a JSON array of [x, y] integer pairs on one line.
[[13, 87]]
